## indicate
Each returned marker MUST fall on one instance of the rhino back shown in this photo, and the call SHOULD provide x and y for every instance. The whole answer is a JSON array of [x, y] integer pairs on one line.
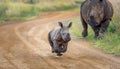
[[84, 10], [87, 5], [55, 34], [109, 10]]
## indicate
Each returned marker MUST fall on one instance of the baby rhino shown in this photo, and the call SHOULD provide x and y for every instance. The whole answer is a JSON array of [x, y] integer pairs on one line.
[[59, 38]]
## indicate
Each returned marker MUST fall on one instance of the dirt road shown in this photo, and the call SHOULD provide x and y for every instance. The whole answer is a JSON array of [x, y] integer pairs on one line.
[[25, 46]]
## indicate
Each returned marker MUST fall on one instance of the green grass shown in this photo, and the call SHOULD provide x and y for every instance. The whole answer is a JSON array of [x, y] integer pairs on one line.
[[110, 43], [25, 11]]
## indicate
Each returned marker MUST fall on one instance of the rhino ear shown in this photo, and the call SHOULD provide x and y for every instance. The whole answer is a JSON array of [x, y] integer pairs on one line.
[[60, 24], [70, 24]]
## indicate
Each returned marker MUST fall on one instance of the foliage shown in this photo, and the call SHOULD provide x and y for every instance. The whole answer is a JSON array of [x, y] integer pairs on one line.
[[110, 43], [27, 9]]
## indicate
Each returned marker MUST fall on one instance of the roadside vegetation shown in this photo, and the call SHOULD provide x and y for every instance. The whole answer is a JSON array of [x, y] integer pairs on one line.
[[29, 9], [111, 42]]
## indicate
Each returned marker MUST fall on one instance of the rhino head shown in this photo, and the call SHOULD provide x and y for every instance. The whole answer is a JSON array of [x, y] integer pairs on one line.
[[65, 31], [96, 12]]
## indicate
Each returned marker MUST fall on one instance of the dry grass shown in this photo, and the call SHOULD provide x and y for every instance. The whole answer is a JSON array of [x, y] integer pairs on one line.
[[18, 10]]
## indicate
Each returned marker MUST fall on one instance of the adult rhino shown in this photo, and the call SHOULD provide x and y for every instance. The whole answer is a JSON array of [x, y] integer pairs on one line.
[[98, 14]]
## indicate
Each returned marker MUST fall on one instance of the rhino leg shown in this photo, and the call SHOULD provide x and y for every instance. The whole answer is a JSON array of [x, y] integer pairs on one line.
[[55, 48], [52, 48], [50, 42], [59, 51], [59, 54], [103, 28], [96, 31], [64, 49], [85, 27]]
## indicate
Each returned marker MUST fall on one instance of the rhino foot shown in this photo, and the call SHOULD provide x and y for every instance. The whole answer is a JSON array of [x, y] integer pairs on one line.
[[100, 36], [59, 54], [84, 33]]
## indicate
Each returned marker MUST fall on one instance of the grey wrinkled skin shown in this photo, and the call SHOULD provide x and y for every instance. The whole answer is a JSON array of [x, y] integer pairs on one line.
[[98, 14], [59, 38]]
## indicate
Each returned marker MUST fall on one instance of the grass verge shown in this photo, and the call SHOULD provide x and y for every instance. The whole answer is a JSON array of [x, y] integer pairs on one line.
[[110, 43], [25, 11]]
